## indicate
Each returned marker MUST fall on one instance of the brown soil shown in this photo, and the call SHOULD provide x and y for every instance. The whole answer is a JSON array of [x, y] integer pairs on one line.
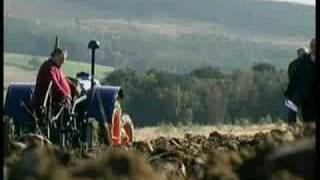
[[286, 153]]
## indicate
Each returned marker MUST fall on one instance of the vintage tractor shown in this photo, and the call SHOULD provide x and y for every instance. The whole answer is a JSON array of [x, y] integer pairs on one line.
[[95, 113]]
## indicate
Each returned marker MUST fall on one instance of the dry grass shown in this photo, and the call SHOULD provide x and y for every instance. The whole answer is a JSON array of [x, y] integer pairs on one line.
[[169, 131]]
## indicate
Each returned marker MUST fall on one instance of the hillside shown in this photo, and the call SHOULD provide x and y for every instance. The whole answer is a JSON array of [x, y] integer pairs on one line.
[[175, 35], [247, 16]]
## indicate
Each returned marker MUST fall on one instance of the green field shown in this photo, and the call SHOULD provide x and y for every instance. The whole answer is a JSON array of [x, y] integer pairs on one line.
[[17, 68]]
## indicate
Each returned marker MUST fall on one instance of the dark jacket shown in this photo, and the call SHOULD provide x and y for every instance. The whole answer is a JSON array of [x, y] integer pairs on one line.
[[292, 76], [302, 81]]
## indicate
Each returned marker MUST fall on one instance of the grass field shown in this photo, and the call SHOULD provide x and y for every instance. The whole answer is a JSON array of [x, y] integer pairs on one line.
[[18, 69]]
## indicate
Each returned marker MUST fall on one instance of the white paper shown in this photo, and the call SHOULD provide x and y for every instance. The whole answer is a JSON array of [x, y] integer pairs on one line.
[[291, 105]]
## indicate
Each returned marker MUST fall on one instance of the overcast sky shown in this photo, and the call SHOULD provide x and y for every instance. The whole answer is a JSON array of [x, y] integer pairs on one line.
[[310, 2]]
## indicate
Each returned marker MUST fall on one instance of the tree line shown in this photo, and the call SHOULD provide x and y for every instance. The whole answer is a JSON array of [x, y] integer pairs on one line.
[[206, 95]]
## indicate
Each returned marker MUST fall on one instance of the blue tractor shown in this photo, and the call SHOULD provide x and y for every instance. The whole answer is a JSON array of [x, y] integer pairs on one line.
[[98, 108]]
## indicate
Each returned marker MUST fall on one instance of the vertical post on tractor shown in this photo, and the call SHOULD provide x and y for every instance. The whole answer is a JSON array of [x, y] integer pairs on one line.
[[92, 67], [93, 45], [57, 43]]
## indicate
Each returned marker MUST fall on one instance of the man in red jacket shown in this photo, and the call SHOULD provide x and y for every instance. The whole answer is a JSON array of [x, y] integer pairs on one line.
[[61, 87]]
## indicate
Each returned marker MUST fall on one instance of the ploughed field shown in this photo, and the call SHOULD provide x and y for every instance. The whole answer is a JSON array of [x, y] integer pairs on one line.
[[275, 151]]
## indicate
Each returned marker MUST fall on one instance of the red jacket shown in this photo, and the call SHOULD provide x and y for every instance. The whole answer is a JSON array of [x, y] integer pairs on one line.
[[50, 71]]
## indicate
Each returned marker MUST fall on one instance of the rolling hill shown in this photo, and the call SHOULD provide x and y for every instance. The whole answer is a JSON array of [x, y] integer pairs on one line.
[[174, 35]]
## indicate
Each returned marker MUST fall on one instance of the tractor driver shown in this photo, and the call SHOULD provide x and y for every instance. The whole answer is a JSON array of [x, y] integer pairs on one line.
[[62, 88]]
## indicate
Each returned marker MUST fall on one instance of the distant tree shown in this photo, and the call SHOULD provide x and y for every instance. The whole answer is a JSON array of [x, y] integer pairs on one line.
[[216, 102], [208, 72], [263, 67], [156, 96]]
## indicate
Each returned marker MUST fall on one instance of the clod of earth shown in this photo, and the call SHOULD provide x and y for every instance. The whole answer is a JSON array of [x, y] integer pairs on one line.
[[279, 154]]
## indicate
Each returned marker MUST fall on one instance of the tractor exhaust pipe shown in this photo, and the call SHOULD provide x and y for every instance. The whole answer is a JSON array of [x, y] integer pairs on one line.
[[57, 43], [93, 45]]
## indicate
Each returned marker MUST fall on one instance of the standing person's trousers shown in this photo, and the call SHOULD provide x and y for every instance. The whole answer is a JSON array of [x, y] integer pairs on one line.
[[309, 113], [292, 116]]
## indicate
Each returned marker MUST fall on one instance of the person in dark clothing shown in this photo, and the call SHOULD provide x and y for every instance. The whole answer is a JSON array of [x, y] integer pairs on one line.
[[302, 84], [292, 114], [292, 68]]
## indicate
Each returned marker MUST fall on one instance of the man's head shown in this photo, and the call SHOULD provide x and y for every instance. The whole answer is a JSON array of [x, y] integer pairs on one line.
[[302, 51], [58, 56], [313, 46]]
